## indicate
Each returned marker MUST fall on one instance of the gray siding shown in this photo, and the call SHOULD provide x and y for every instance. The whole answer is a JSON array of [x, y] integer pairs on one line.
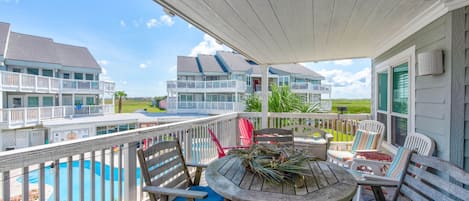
[[432, 93], [466, 89]]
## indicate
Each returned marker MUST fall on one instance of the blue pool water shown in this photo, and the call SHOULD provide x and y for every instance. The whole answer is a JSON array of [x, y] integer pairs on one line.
[[50, 172]]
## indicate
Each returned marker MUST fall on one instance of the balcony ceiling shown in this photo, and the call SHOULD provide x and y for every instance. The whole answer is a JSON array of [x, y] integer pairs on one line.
[[280, 31]]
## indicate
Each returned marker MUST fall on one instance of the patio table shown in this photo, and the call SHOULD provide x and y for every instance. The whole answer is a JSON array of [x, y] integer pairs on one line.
[[229, 178]]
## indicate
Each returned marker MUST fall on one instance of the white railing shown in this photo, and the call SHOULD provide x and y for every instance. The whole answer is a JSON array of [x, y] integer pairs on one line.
[[19, 117], [11, 81], [203, 107], [28, 169], [208, 86], [325, 105], [304, 87]]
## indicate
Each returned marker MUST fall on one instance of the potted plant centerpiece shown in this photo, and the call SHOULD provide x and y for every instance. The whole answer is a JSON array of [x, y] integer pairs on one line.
[[274, 163]]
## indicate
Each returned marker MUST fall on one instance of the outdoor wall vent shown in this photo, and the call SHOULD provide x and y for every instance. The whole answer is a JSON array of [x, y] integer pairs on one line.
[[430, 63]]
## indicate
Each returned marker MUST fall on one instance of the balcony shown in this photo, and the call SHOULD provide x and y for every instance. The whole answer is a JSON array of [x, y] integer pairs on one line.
[[305, 87], [80, 161], [204, 107], [206, 86], [20, 82], [32, 116]]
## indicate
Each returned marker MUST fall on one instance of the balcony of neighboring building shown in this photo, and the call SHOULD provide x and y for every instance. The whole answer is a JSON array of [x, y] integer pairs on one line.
[[206, 86], [306, 87], [203, 107], [22, 82]]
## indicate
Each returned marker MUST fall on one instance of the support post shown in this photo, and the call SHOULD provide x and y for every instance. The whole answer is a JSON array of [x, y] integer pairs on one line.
[[264, 94], [130, 168]]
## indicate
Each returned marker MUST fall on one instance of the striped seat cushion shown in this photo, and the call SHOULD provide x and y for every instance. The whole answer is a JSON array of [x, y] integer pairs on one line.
[[398, 163], [365, 140]]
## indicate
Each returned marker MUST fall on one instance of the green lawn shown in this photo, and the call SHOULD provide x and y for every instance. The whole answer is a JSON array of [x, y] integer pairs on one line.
[[131, 105], [354, 106]]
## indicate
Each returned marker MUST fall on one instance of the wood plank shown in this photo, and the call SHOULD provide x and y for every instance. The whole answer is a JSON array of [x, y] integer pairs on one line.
[[164, 167], [453, 171], [25, 184], [412, 194], [318, 174], [247, 180], [235, 168], [224, 169], [257, 183], [310, 180], [430, 178], [271, 187], [289, 189], [167, 175], [425, 189], [327, 172], [92, 177], [238, 177], [161, 146], [162, 157]]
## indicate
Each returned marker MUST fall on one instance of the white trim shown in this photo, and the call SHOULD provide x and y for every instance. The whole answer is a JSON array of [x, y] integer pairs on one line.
[[407, 55], [438, 9]]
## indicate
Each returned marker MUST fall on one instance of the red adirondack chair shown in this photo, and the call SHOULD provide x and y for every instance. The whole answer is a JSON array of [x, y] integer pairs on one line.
[[245, 131], [220, 149]]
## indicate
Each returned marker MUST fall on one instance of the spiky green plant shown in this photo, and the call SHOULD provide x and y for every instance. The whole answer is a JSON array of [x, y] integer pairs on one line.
[[272, 163]]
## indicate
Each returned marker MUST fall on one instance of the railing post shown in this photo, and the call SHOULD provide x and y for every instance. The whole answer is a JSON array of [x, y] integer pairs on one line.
[[20, 84], [38, 115], [130, 169], [35, 83], [25, 116]]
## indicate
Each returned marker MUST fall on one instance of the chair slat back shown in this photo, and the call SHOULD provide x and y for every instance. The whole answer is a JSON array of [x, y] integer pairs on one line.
[[365, 140], [374, 127], [431, 183], [163, 165], [420, 143], [245, 131], [274, 136]]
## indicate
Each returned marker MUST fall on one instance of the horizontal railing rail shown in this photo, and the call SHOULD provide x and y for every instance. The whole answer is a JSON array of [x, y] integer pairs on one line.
[[204, 106], [13, 81], [113, 155], [318, 88], [215, 84], [34, 115]]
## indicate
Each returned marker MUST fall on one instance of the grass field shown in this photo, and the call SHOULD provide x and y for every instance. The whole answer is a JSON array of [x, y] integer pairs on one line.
[[354, 106], [132, 105]]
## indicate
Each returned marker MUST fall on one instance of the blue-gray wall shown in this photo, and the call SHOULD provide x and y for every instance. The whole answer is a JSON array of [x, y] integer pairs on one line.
[[432, 93]]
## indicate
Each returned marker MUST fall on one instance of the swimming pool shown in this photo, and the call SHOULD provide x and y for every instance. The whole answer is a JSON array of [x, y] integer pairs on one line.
[[50, 172]]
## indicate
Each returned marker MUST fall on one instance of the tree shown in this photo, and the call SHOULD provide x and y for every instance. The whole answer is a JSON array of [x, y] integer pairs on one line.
[[120, 95], [280, 100]]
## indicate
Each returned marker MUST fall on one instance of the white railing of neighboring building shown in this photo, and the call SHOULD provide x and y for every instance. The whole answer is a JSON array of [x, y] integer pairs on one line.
[[308, 87], [30, 116], [11, 81], [175, 106], [118, 152], [215, 85]]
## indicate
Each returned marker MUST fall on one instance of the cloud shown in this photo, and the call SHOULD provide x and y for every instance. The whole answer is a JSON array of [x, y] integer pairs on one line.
[[347, 84], [207, 46], [104, 75], [167, 20], [124, 82], [345, 62], [172, 69], [152, 23], [122, 23], [103, 62], [190, 26], [142, 66]]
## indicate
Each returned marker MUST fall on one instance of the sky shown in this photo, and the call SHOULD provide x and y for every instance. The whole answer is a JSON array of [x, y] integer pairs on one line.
[[137, 44]]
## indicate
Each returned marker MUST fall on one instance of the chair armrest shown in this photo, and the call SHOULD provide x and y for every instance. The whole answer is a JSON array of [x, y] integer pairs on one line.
[[374, 165], [366, 150], [176, 192], [236, 147], [373, 180], [196, 165]]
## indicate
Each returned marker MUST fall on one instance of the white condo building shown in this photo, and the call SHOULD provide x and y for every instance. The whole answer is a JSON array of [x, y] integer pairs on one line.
[[215, 84], [42, 80]]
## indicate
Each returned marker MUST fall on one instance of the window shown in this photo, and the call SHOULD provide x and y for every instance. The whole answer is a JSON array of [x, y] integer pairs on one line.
[[47, 101], [101, 130], [283, 80], [89, 76], [78, 76], [90, 100], [48, 73], [132, 126], [33, 101], [78, 100], [66, 76], [248, 80], [17, 70], [112, 129], [393, 88], [123, 127], [33, 71]]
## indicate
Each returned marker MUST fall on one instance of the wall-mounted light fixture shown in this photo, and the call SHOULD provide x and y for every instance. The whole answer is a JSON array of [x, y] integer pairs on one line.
[[430, 63]]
